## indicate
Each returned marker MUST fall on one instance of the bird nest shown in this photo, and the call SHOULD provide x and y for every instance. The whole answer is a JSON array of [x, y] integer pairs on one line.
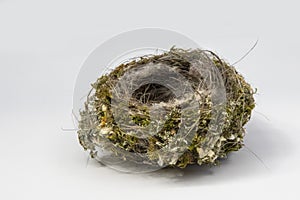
[[177, 108]]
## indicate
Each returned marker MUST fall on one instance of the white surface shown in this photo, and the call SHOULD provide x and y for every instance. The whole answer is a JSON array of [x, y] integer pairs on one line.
[[42, 46]]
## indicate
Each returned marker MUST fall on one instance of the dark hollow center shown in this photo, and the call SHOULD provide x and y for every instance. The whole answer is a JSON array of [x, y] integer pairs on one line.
[[153, 93]]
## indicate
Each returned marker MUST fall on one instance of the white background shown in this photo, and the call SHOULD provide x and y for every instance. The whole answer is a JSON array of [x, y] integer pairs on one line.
[[44, 43]]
